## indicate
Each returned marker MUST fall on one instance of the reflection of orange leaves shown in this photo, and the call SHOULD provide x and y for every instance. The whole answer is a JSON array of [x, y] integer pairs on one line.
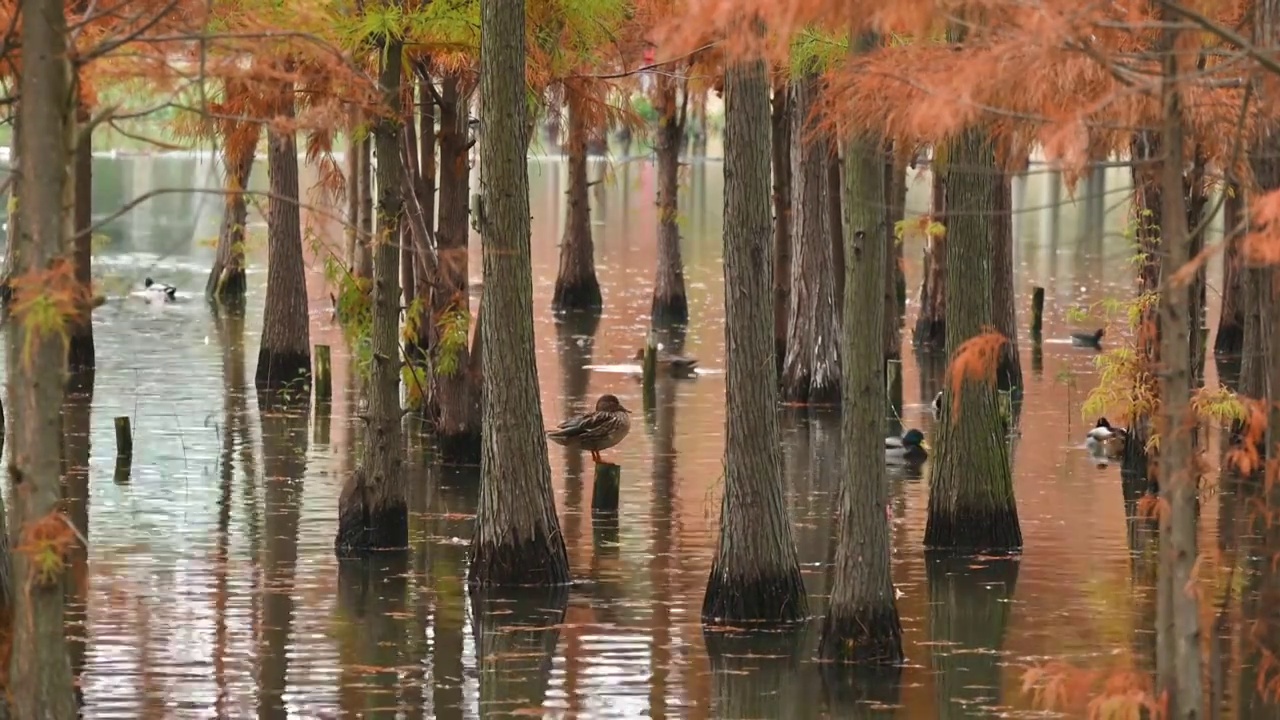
[[975, 360], [1244, 454], [45, 543], [1059, 686]]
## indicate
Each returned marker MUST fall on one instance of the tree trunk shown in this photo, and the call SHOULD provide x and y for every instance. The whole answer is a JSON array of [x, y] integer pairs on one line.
[[895, 197], [454, 390], [414, 186], [931, 323], [1003, 295], [517, 537], [755, 576], [1230, 339], [418, 346], [780, 130], [40, 680], [1180, 478], [284, 359], [1148, 210], [576, 286], [355, 172], [226, 284], [363, 266], [811, 370], [971, 502], [670, 303], [80, 354], [372, 510], [862, 623], [835, 224]]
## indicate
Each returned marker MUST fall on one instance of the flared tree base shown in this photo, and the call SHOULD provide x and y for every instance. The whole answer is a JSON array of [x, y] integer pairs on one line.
[[285, 373], [461, 448], [80, 353], [801, 389], [864, 636], [226, 287], [1229, 341], [971, 528], [749, 600], [535, 561], [363, 530], [580, 296], [669, 310], [930, 333]]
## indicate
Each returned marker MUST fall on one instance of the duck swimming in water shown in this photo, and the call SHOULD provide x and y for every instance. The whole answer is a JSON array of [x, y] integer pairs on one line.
[[1093, 339], [677, 365], [1105, 442], [907, 449], [159, 292], [599, 430]]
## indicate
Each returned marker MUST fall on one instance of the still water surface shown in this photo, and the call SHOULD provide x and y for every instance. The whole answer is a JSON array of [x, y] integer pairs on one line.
[[213, 590]]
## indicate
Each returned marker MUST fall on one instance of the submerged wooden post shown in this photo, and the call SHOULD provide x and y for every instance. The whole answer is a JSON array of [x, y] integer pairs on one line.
[[1037, 313], [649, 370], [323, 374], [124, 449], [604, 493]]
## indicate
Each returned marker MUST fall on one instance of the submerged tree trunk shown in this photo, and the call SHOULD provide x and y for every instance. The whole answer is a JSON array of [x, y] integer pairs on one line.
[[1180, 479], [780, 129], [811, 371], [80, 354], [226, 284], [862, 622], [576, 286], [284, 359], [372, 510], [1230, 339], [1003, 296], [40, 679], [517, 537], [931, 323], [455, 391], [670, 303], [755, 577], [971, 502]]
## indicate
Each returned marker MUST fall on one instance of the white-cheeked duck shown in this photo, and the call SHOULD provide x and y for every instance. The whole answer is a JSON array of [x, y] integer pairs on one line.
[[159, 292]]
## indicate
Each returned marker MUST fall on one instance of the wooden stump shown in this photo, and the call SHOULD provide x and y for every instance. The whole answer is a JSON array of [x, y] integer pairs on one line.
[[1037, 313], [323, 374], [604, 493], [124, 449], [649, 370]]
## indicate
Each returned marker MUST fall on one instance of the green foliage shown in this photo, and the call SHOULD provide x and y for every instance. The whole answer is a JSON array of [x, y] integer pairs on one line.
[[814, 51], [452, 340], [643, 107], [931, 228]]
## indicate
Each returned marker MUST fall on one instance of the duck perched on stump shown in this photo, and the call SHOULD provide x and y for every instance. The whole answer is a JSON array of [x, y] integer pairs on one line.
[[907, 449], [598, 430], [1105, 441]]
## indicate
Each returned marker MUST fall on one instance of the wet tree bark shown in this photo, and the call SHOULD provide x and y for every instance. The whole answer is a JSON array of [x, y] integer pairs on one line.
[[835, 224], [363, 265], [284, 359], [576, 286], [895, 192], [419, 345], [372, 510], [226, 284], [1003, 295], [355, 171], [755, 577], [517, 537], [40, 680], [971, 501], [1230, 339], [931, 323], [454, 390], [862, 623], [811, 370], [1179, 479], [80, 353], [670, 303], [780, 130]]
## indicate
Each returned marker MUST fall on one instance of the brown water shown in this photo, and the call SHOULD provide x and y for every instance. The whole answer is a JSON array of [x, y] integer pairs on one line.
[[213, 590]]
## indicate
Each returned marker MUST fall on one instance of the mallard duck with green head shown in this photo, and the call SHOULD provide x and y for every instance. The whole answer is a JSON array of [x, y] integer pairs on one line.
[[595, 431], [907, 449]]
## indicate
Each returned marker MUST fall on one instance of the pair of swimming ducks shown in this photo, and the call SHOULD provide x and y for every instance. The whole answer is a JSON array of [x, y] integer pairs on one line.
[[609, 423]]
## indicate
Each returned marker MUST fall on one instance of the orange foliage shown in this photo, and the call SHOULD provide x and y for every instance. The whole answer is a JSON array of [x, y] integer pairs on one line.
[[1058, 686], [975, 360], [45, 542]]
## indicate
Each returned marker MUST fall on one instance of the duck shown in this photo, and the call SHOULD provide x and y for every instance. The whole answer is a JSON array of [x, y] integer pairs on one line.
[[160, 291], [936, 406], [681, 365], [1105, 442], [907, 449], [598, 430], [1083, 339]]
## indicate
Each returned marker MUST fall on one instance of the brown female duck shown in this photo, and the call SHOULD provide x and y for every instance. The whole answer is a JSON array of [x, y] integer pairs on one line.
[[599, 430]]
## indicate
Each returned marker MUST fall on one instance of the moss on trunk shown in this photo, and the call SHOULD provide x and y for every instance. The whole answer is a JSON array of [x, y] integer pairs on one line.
[[670, 302], [971, 500], [755, 577], [577, 289], [284, 358], [517, 537]]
